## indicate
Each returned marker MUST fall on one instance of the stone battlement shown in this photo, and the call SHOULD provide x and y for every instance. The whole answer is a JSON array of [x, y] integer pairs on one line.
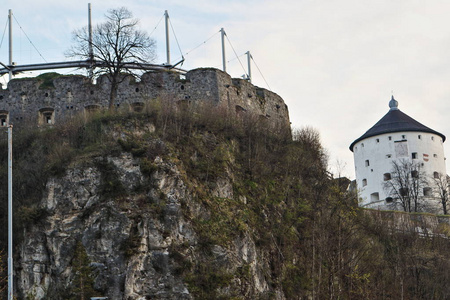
[[30, 100]]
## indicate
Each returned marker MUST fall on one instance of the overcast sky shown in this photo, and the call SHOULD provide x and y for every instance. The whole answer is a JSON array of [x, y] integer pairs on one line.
[[335, 63]]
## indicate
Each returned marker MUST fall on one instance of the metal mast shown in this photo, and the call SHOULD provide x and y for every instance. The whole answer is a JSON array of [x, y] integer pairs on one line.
[[10, 225], [10, 43], [249, 57], [224, 61], [91, 51], [166, 15]]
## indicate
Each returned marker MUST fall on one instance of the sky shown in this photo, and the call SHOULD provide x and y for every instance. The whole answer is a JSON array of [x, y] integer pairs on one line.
[[335, 63]]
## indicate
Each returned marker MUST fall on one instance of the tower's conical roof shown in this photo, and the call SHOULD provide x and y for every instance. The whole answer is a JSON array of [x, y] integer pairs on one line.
[[395, 121]]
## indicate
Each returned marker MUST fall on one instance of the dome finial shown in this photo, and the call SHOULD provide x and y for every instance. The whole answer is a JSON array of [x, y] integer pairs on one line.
[[393, 104]]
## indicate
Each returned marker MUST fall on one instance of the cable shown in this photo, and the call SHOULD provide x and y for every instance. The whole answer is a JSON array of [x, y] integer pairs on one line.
[[228, 61], [260, 73], [204, 42], [4, 31], [29, 39], [173, 31], [245, 72], [156, 26]]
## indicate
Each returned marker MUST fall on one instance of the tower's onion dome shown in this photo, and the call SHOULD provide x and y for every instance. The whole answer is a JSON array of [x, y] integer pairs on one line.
[[395, 121]]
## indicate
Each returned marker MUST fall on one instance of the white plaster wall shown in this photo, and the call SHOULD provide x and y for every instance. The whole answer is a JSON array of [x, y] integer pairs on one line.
[[377, 149]]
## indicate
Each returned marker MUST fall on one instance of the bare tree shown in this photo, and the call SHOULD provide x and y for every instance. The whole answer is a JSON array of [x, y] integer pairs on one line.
[[115, 43], [441, 190], [407, 183]]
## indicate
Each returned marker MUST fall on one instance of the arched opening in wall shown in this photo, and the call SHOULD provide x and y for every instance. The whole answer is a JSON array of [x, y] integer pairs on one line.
[[239, 109], [427, 192], [374, 197], [46, 116], [389, 200], [137, 106], [364, 182], [4, 118], [436, 175], [91, 109]]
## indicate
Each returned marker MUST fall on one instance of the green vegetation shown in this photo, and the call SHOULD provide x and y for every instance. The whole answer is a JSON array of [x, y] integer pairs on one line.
[[310, 235]]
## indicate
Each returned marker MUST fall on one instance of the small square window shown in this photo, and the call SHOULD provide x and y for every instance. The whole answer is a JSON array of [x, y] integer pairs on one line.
[[364, 182], [390, 138], [378, 140], [387, 176], [414, 155], [435, 155], [403, 136]]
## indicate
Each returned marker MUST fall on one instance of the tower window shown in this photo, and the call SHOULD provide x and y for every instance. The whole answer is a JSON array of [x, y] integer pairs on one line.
[[362, 145], [387, 176], [435, 155], [390, 138], [415, 174], [419, 136], [374, 197], [403, 191], [364, 182], [389, 200], [378, 140], [432, 138], [436, 175], [414, 155], [367, 163], [403, 136], [388, 155], [427, 191]]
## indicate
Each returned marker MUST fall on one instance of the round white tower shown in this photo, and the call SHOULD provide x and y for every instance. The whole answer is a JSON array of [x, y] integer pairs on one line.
[[394, 140]]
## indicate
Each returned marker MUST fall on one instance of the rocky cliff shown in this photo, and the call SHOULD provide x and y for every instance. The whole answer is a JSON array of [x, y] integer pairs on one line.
[[150, 226]]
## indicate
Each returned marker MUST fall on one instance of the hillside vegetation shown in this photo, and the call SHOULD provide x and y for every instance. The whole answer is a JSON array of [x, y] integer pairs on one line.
[[246, 179]]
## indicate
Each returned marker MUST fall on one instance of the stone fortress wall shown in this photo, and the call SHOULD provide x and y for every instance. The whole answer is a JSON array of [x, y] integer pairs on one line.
[[28, 100]]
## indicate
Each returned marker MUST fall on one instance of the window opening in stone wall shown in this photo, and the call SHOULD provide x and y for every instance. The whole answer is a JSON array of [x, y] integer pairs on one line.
[[427, 191], [387, 176], [389, 200], [46, 116], [378, 140], [432, 138], [414, 155], [137, 90], [403, 136], [435, 155], [436, 175], [367, 163], [137, 106], [374, 197], [390, 138], [4, 118], [364, 182], [362, 145], [419, 136], [415, 174]]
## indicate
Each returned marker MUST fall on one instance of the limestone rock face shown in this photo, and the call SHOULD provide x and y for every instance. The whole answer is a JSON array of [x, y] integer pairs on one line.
[[138, 240]]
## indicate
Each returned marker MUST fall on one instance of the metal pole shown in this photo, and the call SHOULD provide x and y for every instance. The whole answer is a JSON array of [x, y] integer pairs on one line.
[[10, 42], [249, 56], [91, 51], [10, 225], [166, 14], [224, 61]]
